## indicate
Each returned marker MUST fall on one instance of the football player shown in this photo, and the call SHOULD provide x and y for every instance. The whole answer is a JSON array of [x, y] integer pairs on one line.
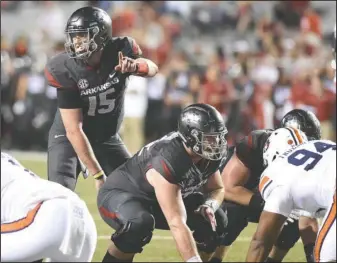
[[241, 171], [42, 219], [158, 188], [300, 175], [90, 78]]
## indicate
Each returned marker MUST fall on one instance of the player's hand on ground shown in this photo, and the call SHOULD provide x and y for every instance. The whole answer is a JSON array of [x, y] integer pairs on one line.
[[126, 64], [207, 212], [100, 182]]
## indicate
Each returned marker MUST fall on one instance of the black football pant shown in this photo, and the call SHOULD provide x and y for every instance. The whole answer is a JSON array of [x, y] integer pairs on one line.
[[64, 166], [134, 218], [239, 217]]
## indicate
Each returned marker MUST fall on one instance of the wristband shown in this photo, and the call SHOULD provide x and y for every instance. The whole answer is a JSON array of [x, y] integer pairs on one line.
[[98, 175], [212, 203], [256, 203], [194, 259], [142, 68]]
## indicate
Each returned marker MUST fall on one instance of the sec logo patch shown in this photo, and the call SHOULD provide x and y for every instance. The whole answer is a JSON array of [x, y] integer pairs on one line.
[[83, 84]]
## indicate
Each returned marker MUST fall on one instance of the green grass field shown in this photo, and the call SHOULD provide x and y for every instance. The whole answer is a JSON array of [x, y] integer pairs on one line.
[[162, 247]]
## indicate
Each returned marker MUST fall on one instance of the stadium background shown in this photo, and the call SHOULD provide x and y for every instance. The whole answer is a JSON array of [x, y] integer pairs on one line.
[[252, 60]]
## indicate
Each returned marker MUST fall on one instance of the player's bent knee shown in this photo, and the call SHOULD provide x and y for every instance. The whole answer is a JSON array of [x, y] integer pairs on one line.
[[233, 231], [208, 241], [289, 236], [134, 234], [206, 244]]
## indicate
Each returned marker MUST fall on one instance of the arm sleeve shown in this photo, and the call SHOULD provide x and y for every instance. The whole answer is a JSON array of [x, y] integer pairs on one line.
[[68, 99], [279, 201]]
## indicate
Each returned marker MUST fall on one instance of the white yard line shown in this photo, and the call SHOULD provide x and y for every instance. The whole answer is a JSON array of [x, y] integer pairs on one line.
[[239, 239], [28, 156]]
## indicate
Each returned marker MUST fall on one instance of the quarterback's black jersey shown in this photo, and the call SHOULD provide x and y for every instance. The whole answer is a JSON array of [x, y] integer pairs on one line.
[[99, 92], [250, 152], [169, 157]]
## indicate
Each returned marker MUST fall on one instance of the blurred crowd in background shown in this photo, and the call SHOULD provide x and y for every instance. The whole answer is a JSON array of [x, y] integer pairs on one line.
[[254, 61]]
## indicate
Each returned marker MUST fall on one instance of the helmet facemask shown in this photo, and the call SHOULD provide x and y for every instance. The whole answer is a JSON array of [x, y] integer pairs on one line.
[[80, 43], [292, 123], [211, 146], [302, 120]]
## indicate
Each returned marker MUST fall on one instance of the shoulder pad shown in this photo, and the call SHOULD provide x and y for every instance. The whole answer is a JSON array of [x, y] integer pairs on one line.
[[174, 161], [259, 138], [57, 73], [249, 149], [129, 47]]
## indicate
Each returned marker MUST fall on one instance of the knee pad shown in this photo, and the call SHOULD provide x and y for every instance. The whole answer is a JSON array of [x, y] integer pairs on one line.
[[134, 234], [289, 235], [206, 239], [206, 242], [232, 233], [237, 220]]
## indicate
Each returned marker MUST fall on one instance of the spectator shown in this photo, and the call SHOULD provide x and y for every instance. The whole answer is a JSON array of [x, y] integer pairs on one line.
[[281, 95], [176, 98], [254, 78], [217, 92], [52, 21], [153, 128], [311, 22], [135, 108]]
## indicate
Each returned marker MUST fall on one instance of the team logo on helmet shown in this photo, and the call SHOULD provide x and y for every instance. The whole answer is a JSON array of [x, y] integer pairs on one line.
[[83, 84]]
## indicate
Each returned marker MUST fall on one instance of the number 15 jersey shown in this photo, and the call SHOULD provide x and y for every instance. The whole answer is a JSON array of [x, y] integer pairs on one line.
[[302, 178], [99, 92]]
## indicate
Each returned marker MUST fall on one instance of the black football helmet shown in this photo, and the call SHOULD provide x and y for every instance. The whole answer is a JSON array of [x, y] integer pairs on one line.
[[202, 128], [88, 30], [303, 120]]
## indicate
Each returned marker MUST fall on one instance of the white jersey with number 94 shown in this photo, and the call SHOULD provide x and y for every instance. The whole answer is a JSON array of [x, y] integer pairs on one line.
[[302, 178]]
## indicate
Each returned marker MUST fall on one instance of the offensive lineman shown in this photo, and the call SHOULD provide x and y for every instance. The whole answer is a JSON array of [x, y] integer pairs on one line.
[[157, 188], [42, 219], [299, 175], [241, 171], [91, 80]]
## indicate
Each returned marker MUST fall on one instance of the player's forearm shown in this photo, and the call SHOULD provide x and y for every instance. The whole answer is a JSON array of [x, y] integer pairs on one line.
[[184, 241], [239, 195], [146, 67], [84, 151], [215, 198], [258, 251]]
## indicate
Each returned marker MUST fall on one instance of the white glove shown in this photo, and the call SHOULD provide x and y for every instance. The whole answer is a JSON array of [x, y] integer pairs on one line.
[[85, 171], [294, 215]]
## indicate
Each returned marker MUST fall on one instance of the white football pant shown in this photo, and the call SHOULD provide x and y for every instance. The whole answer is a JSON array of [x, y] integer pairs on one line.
[[325, 247], [61, 229]]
